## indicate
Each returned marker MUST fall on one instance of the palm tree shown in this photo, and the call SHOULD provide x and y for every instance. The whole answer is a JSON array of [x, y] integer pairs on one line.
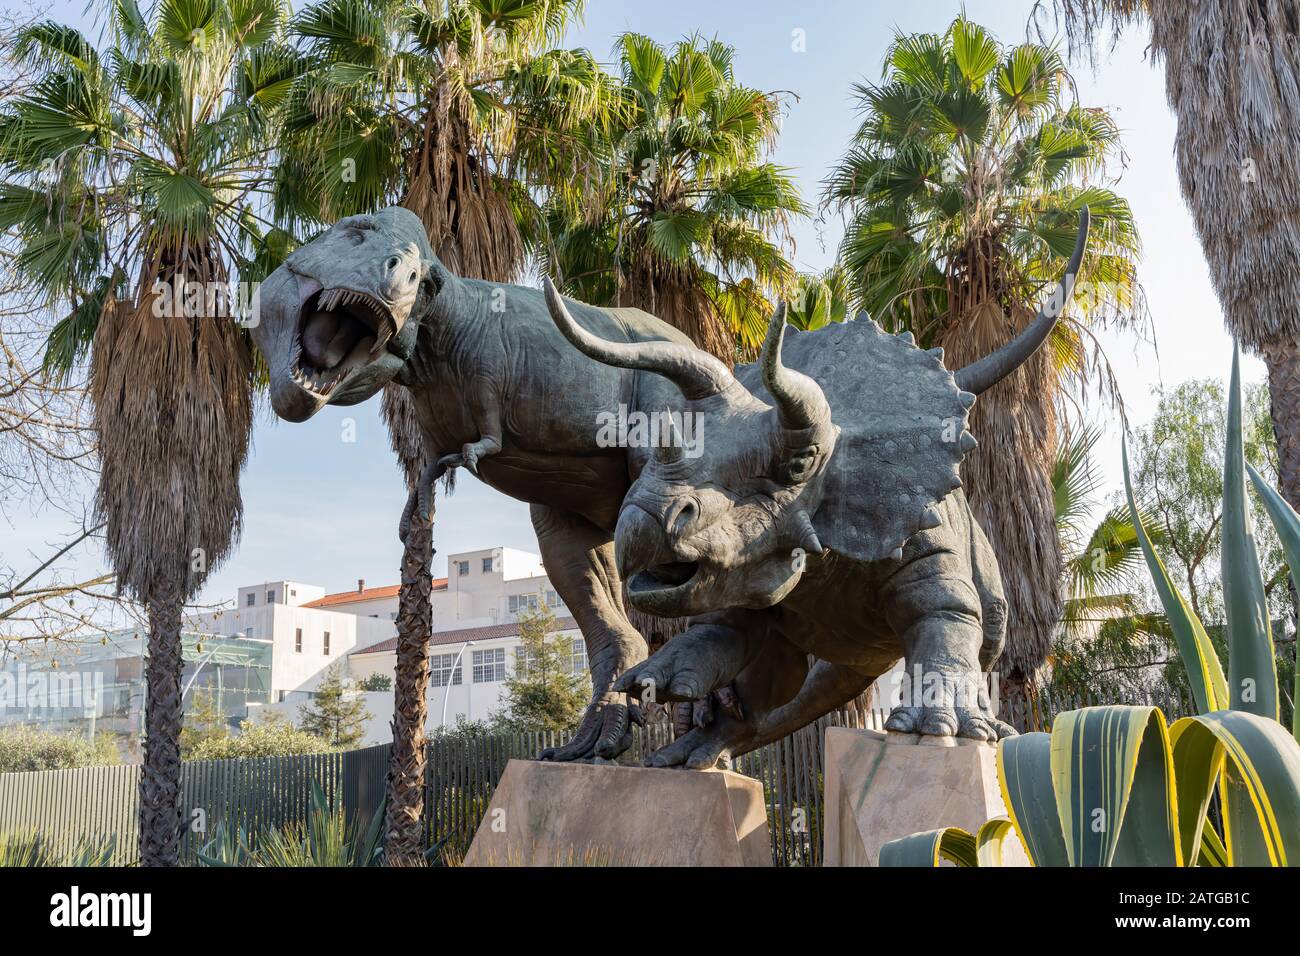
[[130, 179], [454, 109], [820, 299], [1231, 76], [962, 190], [680, 222]]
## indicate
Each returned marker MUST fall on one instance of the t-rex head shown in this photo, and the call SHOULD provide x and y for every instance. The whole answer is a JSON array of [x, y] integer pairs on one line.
[[339, 318], [719, 529]]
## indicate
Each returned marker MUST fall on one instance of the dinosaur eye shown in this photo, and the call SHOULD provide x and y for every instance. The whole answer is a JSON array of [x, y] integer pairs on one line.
[[798, 467]]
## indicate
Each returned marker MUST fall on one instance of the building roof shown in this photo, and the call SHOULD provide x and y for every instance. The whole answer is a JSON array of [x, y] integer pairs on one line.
[[369, 594], [461, 635]]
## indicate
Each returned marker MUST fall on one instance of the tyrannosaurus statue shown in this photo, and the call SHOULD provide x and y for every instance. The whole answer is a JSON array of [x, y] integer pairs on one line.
[[824, 521], [496, 389]]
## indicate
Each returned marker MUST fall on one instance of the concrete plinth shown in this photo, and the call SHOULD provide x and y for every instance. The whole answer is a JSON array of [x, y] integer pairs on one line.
[[565, 814], [882, 786]]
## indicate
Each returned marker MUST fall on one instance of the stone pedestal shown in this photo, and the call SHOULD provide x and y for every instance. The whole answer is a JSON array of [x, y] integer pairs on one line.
[[565, 814], [881, 786]]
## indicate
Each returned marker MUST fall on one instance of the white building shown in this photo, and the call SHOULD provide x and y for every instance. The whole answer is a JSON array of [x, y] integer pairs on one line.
[[475, 634], [305, 639]]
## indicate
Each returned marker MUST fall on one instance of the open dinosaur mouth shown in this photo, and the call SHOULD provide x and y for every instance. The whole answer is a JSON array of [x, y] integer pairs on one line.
[[339, 330], [664, 577]]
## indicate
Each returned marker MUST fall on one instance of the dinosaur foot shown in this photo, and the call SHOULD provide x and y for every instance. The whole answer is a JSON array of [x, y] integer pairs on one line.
[[704, 747], [419, 501], [689, 667], [948, 721], [605, 731]]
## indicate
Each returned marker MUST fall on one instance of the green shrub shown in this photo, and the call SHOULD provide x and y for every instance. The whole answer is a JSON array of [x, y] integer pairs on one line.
[[25, 748], [328, 839], [272, 736]]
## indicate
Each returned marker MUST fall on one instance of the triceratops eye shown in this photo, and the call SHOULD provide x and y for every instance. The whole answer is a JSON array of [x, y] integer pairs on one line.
[[798, 466]]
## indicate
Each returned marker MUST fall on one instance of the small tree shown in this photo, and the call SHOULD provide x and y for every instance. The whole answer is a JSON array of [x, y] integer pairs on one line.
[[336, 714], [543, 693], [204, 721]]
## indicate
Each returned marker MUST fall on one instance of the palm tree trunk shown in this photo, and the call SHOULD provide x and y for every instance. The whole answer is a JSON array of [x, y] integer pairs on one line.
[[1283, 360], [1282, 357], [404, 828], [160, 778]]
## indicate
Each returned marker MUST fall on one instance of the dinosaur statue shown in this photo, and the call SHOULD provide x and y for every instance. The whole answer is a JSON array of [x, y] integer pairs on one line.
[[823, 521], [496, 389]]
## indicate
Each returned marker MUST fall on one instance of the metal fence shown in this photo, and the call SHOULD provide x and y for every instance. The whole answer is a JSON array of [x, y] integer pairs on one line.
[[66, 806]]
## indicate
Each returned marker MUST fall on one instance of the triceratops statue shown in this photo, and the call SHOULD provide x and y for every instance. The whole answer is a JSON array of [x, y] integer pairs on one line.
[[820, 534]]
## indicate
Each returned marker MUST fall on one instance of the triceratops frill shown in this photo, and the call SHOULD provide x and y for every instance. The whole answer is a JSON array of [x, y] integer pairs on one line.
[[902, 421]]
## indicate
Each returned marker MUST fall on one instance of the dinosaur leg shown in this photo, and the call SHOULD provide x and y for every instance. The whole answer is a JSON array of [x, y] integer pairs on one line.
[[579, 559], [780, 694], [937, 609], [993, 603], [705, 657], [487, 418], [420, 497]]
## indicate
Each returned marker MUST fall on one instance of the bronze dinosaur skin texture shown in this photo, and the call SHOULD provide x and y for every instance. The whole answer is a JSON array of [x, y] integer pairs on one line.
[[823, 520]]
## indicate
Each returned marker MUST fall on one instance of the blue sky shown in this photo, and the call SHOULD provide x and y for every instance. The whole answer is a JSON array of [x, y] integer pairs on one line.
[[323, 511]]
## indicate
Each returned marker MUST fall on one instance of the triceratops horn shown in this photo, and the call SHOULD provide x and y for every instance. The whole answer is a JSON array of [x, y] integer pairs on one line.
[[697, 373], [988, 371], [806, 534], [800, 402]]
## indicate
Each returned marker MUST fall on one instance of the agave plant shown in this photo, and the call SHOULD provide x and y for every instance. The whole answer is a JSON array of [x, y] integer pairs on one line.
[[1116, 786], [1251, 682], [328, 839], [28, 848]]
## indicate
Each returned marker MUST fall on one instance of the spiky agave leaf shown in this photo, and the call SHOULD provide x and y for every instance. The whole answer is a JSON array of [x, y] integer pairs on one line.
[[1252, 664], [1204, 670]]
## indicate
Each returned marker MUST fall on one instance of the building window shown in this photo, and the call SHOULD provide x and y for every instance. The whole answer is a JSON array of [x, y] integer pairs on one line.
[[293, 592], [297, 640], [327, 644], [490, 666], [578, 656], [462, 568], [525, 662], [252, 599], [519, 602], [444, 669], [248, 632], [552, 599], [270, 597], [487, 565]]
